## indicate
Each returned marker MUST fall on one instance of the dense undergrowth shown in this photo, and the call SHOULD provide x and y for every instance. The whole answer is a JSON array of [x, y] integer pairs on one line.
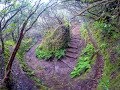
[[45, 54], [107, 38], [103, 46], [106, 32]]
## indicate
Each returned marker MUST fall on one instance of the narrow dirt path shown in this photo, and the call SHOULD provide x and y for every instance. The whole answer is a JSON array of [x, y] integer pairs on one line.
[[56, 74], [20, 81]]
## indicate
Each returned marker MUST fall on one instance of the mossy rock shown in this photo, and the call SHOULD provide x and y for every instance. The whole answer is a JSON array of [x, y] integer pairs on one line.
[[54, 40]]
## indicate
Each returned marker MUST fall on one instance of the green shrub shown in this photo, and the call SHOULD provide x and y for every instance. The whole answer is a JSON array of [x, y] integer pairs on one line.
[[9, 43], [84, 61], [60, 53], [84, 33], [105, 83], [107, 30], [45, 54]]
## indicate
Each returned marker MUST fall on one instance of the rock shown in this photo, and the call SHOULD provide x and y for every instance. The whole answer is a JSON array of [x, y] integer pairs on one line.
[[72, 55], [56, 39]]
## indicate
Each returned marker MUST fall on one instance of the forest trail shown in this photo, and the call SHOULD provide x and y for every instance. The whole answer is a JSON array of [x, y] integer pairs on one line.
[[56, 74], [20, 81]]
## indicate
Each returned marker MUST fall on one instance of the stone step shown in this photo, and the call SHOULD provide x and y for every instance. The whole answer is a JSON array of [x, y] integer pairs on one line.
[[73, 43], [75, 36], [72, 50], [76, 43], [71, 55], [79, 43], [73, 46], [70, 62], [76, 40]]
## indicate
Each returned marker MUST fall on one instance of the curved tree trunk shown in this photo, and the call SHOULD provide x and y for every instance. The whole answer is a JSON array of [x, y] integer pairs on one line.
[[9, 65]]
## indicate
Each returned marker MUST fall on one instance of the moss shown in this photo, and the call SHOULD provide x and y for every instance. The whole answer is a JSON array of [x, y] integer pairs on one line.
[[54, 43], [84, 33], [105, 46]]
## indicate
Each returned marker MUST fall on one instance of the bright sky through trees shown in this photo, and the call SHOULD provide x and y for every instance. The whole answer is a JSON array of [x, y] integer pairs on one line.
[[45, 1]]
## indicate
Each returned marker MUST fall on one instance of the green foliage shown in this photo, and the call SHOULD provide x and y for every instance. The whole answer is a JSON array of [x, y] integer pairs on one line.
[[54, 43], [107, 30], [45, 54], [101, 32], [21, 52], [9, 43], [105, 82], [103, 26], [84, 61], [115, 83], [10, 29], [83, 31], [3, 11], [59, 53]]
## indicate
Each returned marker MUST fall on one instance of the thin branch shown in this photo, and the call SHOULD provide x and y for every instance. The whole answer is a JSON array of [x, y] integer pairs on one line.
[[9, 20], [11, 17], [38, 17], [94, 5]]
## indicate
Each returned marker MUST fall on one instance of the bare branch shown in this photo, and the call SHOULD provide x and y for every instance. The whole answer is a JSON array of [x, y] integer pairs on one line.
[[11, 17], [38, 17], [93, 5]]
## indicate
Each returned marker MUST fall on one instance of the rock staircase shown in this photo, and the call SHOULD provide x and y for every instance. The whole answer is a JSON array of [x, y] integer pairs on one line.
[[74, 47], [56, 74]]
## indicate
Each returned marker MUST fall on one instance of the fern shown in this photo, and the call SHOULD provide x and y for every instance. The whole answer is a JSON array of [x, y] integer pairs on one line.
[[59, 53], [84, 61], [45, 54]]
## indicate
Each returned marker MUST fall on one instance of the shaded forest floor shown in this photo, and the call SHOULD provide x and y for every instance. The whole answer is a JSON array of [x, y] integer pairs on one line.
[[56, 74]]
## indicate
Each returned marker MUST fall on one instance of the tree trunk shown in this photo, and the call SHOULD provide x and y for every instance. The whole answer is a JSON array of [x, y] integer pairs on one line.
[[2, 40], [9, 65]]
